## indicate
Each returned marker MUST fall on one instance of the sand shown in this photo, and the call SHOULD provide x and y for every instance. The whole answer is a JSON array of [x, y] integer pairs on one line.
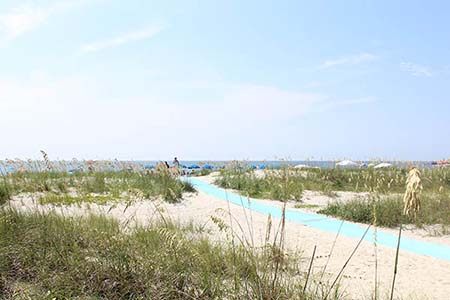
[[419, 277]]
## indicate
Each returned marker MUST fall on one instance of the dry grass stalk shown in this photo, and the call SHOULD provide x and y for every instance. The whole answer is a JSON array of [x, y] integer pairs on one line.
[[396, 262], [47, 161], [413, 189]]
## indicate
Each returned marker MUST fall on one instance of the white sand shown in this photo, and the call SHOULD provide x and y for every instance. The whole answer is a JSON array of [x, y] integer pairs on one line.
[[419, 277]]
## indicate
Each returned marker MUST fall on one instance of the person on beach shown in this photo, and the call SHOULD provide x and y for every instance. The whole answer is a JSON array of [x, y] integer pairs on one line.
[[176, 163]]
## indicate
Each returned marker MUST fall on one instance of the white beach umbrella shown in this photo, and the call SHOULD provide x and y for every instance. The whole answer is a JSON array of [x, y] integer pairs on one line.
[[301, 166], [383, 165], [347, 163]]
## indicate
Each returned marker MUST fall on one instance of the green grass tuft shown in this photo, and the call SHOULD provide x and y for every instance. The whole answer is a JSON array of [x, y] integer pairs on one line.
[[48, 256], [92, 186], [435, 209], [65, 199], [278, 185], [389, 211], [5, 193]]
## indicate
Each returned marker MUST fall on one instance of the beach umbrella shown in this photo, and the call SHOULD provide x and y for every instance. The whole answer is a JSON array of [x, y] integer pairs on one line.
[[383, 165], [194, 166], [262, 167], [301, 166], [147, 167], [252, 167], [347, 163], [208, 167]]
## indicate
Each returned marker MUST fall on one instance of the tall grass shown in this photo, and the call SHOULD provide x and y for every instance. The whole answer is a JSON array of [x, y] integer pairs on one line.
[[201, 172], [45, 256], [114, 184], [385, 203], [387, 212], [277, 184], [5, 193], [435, 209], [383, 181]]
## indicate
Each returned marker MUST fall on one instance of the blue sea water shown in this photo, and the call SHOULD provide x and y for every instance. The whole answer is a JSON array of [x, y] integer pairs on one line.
[[8, 167]]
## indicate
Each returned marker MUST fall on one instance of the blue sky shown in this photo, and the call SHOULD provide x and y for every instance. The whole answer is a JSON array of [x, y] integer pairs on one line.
[[225, 79]]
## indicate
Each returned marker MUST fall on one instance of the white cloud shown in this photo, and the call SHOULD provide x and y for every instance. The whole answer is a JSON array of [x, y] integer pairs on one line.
[[25, 18], [81, 117], [361, 100], [354, 101], [416, 70], [21, 20], [349, 60], [122, 39]]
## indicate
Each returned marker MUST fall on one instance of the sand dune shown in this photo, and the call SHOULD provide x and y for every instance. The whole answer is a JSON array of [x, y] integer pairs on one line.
[[419, 277]]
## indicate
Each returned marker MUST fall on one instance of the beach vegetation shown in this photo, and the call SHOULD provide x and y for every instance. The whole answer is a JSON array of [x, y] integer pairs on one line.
[[435, 209], [276, 184], [67, 199], [5, 193], [382, 181], [201, 172], [306, 205], [384, 190], [95, 186], [47, 256]]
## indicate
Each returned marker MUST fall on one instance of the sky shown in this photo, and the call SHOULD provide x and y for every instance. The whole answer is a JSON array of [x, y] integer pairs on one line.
[[219, 80]]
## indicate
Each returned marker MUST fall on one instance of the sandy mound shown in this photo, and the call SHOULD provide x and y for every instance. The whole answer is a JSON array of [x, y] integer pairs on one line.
[[419, 277]]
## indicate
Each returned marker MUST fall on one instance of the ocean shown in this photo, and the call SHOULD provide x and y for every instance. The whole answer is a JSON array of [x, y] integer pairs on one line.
[[72, 165]]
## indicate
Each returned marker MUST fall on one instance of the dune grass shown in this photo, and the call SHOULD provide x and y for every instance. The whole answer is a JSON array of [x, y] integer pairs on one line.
[[5, 193], [94, 186], [201, 172], [46, 256], [384, 185], [389, 211], [66, 199], [383, 181], [276, 184], [435, 209]]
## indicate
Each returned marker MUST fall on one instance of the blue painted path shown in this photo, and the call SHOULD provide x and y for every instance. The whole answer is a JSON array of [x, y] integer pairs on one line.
[[325, 223]]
